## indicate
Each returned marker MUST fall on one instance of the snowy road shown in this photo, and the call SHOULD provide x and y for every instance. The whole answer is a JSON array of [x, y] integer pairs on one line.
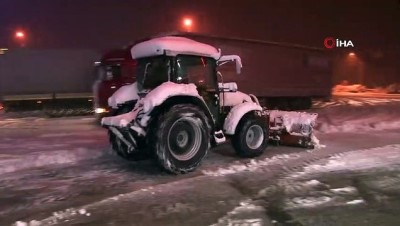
[[61, 171]]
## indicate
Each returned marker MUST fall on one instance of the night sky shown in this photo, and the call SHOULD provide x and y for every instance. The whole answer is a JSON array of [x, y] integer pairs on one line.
[[103, 24]]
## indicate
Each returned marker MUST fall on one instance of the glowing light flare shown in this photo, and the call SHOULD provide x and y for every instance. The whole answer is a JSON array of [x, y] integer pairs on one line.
[[100, 110], [352, 54], [187, 22], [19, 34]]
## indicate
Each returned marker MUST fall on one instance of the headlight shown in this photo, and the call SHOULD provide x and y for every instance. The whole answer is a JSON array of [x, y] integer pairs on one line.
[[100, 110]]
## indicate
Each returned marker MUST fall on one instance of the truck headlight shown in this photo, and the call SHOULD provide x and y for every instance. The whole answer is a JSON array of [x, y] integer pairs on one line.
[[100, 110]]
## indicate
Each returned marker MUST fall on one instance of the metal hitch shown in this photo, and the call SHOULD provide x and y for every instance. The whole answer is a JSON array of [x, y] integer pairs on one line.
[[130, 142]]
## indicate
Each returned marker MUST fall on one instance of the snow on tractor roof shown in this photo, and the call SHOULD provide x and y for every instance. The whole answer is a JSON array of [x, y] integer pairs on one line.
[[173, 46]]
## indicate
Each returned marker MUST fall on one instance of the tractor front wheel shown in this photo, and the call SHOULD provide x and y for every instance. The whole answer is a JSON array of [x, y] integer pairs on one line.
[[251, 136]]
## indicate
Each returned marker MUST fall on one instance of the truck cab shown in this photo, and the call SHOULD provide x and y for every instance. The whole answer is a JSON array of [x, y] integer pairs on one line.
[[115, 69]]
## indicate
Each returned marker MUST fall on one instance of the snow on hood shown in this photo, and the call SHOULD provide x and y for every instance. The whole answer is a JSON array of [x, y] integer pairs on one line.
[[154, 98], [173, 46], [168, 89], [123, 94], [121, 120]]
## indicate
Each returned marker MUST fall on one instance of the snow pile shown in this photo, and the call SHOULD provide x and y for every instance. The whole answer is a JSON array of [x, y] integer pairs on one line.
[[343, 191], [172, 46], [56, 217], [253, 165], [253, 215], [154, 98], [306, 202], [30, 223], [355, 202], [123, 94], [312, 183], [393, 88], [356, 88], [358, 100]]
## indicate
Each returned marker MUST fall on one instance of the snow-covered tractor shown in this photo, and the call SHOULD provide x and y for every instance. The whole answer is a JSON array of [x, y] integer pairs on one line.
[[179, 107]]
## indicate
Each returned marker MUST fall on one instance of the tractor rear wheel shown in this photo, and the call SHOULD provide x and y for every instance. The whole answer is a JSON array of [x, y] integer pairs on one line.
[[251, 136], [181, 138]]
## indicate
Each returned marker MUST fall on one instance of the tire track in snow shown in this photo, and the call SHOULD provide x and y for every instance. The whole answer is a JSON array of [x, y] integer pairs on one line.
[[284, 180], [34, 160]]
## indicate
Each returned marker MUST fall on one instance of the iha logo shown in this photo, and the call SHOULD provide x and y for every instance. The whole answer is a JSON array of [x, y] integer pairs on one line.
[[331, 43]]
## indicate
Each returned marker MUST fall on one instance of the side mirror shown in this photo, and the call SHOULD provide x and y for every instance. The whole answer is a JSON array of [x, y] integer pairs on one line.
[[236, 58]]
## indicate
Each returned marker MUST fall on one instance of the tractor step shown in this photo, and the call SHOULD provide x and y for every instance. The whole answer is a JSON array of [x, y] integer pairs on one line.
[[219, 137]]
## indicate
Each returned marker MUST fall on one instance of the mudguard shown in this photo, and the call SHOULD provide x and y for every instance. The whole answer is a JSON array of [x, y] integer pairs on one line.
[[138, 118], [237, 112]]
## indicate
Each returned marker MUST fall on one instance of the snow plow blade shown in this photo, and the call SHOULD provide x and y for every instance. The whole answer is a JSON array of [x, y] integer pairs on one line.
[[292, 128]]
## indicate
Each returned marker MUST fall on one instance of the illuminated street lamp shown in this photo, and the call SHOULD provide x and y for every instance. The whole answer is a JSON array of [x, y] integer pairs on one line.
[[20, 35], [187, 24]]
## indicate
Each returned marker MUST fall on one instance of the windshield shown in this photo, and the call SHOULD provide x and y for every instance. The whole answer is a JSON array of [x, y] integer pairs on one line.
[[152, 72], [197, 70], [108, 72]]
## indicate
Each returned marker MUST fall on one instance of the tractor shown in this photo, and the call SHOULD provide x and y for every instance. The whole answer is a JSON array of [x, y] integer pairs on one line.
[[179, 107]]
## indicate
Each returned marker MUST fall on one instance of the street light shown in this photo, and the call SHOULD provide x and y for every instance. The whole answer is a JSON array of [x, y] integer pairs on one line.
[[187, 24], [20, 38], [20, 35]]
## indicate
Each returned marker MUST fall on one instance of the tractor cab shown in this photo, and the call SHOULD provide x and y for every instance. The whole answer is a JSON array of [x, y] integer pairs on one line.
[[182, 61]]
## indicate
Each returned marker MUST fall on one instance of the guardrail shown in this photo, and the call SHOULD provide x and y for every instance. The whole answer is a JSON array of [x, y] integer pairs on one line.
[[53, 104]]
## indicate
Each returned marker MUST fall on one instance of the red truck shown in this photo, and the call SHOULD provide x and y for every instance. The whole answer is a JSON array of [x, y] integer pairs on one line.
[[115, 69]]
